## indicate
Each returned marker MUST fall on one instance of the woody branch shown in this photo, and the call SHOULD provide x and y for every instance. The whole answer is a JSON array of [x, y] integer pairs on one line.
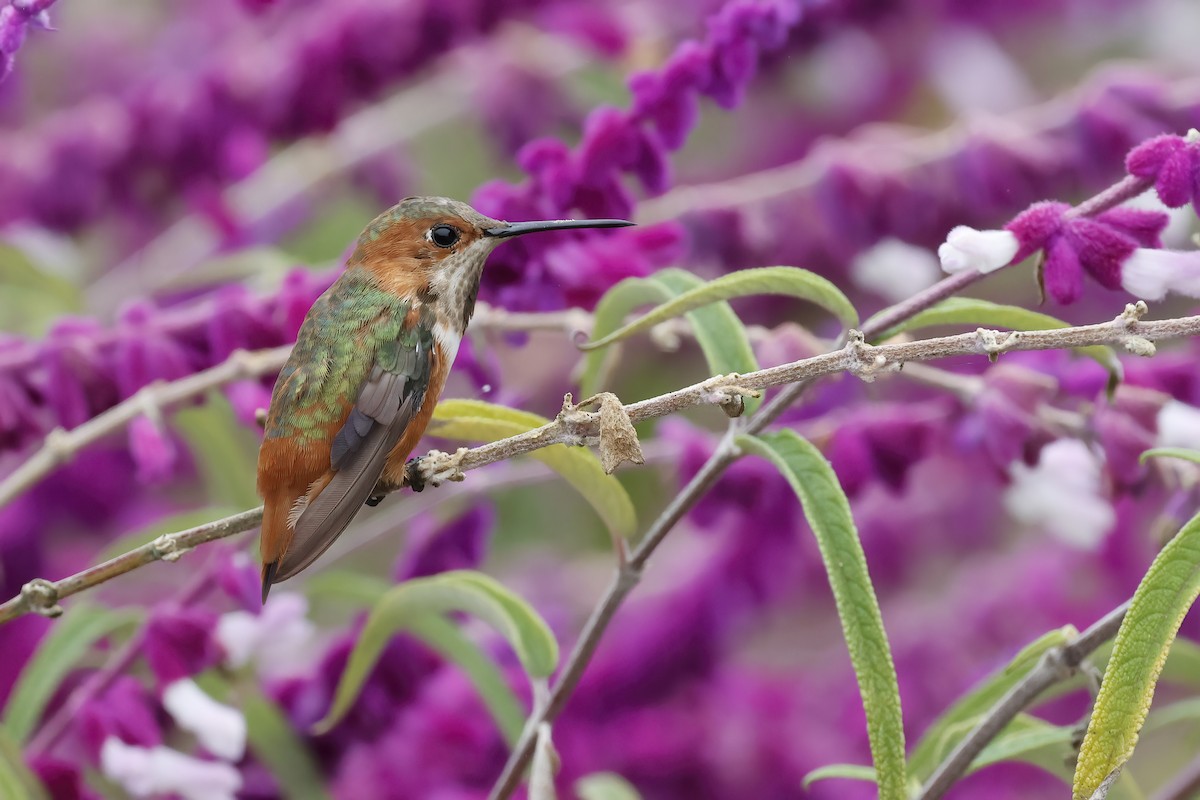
[[577, 426]]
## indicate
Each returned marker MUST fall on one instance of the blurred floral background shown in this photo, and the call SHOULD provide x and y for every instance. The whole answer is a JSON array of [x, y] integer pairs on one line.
[[180, 180]]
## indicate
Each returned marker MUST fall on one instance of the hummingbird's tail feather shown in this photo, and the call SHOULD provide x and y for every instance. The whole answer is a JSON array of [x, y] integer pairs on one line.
[[328, 512]]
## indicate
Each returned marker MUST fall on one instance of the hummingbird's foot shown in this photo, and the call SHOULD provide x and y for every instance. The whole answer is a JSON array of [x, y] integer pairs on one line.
[[414, 475]]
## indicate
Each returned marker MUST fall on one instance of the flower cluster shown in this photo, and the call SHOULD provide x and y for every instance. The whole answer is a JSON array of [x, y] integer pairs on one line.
[[993, 501], [16, 19], [178, 135]]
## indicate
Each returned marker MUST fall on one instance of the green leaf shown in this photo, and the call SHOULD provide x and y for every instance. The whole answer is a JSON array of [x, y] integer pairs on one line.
[[850, 772], [403, 606], [790, 281], [35, 294], [982, 313], [348, 587], [16, 779], [719, 332], [57, 654], [477, 421], [224, 449], [275, 744], [605, 786], [1139, 652], [944, 733], [828, 514], [447, 639], [1170, 452], [1030, 740]]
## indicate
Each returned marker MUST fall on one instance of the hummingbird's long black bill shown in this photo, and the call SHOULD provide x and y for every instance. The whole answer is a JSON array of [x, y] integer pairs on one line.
[[519, 228]]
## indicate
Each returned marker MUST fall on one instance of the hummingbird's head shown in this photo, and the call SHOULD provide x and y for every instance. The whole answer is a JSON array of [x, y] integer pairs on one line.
[[435, 248]]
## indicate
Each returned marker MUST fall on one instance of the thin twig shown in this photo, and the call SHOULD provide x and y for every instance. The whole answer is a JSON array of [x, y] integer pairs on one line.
[[856, 356], [1055, 666], [62, 445], [576, 426]]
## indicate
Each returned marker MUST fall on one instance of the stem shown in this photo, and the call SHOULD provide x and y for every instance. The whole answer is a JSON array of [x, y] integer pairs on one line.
[[1055, 666], [52, 731]]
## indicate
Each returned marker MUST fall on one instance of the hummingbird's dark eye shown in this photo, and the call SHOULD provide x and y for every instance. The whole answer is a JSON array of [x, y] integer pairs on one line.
[[444, 235]]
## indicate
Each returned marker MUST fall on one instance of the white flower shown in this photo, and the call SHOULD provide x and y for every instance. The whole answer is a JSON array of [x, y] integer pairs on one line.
[[220, 728], [1062, 494], [278, 639], [147, 772], [983, 251], [1179, 425], [895, 270], [1150, 274]]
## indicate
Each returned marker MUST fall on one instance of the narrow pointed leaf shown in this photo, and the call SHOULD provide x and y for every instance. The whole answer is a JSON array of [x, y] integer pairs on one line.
[[982, 313], [850, 772], [721, 335], [403, 606], [828, 513], [477, 421], [224, 450], [346, 587], [448, 640], [16, 779], [945, 732], [1029, 740], [787, 281], [616, 304], [719, 332], [1171, 452], [275, 744], [1139, 652], [57, 654], [605, 786]]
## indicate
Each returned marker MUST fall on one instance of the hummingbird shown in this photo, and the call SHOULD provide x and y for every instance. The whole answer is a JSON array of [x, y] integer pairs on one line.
[[369, 365]]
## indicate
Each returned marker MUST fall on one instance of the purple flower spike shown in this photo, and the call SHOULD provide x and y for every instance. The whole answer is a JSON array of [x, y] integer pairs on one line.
[[880, 445], [179, 644], [126, 711], [461, 544], [1007, 410], [62, 779], [1173, 162], [15, 19], [152, 448], [1126, 428], [1099, 246]]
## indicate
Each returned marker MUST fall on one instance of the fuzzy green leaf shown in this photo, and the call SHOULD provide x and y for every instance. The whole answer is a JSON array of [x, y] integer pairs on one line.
[[57, 654], [1170, 452], [970, 311], [477, 421], [721, 335], [828, 514], [275, 745], [16, 779], [1030, 740], [448, 640], [789, 281], [403, 608], [605, 786], [616, 304], [224, 450], [1139, 652], [945, 732], [850, 772]]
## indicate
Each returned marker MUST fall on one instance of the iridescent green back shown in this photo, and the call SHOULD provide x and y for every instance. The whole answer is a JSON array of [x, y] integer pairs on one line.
[[348, 327]]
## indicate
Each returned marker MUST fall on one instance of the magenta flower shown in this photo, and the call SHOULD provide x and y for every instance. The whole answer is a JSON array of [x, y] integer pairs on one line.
[[1173, 163]]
